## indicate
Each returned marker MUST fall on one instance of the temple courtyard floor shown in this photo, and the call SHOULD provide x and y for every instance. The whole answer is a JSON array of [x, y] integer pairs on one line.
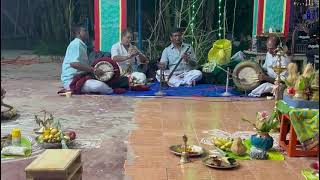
[[128, 138]]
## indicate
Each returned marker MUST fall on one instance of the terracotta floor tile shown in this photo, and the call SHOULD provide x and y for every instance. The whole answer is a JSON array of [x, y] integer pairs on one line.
[[156, 149], [149, 124], [188, 171], [146, 173], [146, 137], [149, 160], [174, 161], [165, 121]]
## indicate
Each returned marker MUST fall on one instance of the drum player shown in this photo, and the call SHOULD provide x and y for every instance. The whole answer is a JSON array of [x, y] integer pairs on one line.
[[268, 79], [76, 63], [186, 73]]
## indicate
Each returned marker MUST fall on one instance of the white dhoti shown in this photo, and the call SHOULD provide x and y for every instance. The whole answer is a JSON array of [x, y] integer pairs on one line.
[[181, 78], [263, 88]]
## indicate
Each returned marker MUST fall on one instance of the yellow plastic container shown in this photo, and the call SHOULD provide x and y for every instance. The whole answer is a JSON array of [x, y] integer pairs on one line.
[[220, 52], [16, 132], [16, 136]]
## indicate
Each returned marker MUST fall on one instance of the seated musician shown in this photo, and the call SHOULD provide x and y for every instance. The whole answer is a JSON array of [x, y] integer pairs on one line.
[[186, 73], [269, 78], [76, 63], [128, 56]]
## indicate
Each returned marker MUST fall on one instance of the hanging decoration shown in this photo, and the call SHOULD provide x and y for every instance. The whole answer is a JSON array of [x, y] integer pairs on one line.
[[271, 14], [110, 18], [234, 18], [193, 15], [220, 19], [305, 2], [225, 19]]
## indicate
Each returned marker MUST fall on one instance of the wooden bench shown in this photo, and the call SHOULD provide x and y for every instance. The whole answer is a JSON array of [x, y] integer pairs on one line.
[[56, 164]]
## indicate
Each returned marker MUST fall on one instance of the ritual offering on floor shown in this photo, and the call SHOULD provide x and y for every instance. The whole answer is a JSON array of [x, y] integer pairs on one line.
[[230, 147], [50, 133], [220, 162], [238, 147], [302, 90], [14, 151], [261, 141], [189, 150], [15, 145], [223, 144]]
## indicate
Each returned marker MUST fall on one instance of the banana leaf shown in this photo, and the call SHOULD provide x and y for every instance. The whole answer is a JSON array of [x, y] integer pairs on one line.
[[25, 142], [272, 154]]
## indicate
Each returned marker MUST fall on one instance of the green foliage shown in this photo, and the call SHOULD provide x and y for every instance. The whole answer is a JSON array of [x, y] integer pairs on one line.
[[309, 80], [265, 124], [304, 83], [301, 83], [200, 20], [289, 84]]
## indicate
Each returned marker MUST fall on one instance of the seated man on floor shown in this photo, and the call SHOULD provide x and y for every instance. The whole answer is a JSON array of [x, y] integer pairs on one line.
[[128, 57], [268, 79], [186, 73], [76, 64]]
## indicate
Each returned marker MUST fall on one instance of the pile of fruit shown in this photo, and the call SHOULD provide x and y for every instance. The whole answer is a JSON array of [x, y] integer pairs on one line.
[[51, 130], [223, 144], [53, 135]]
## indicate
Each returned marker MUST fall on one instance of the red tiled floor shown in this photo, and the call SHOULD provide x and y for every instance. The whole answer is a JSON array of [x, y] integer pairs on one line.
[[162, 122]]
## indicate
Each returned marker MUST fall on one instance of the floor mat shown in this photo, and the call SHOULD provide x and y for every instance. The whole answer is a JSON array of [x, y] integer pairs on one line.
[[200, 90]]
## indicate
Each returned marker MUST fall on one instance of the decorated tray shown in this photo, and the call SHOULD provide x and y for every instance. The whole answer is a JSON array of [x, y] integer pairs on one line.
[[220, 162], [33, 149], [25, 142], [192, 150]]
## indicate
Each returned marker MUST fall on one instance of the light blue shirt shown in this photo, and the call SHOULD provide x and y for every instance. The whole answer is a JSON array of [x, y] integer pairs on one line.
[[171, 56], [76, 52]]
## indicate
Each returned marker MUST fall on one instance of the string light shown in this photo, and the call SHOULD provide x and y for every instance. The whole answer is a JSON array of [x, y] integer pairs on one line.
[[219, 21], [192, 18]]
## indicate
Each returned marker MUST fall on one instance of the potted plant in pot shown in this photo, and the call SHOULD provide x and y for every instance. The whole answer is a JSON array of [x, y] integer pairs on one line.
[[261, 141]]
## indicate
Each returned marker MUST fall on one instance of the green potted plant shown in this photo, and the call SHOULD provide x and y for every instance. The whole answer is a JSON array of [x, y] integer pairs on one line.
[[263, 125]]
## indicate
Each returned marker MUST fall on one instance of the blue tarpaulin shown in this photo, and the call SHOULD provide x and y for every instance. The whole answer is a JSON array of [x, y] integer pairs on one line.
[[202, 90]]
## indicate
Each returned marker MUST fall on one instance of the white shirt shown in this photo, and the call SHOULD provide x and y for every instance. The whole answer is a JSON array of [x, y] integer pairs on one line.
[[270, 61], [119, 50], [171, 56]]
